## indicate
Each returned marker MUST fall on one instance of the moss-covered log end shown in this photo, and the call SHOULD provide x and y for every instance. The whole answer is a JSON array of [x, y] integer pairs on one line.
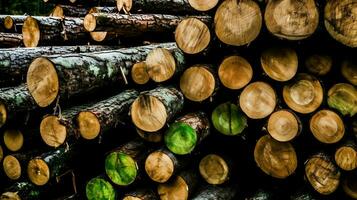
[[121, 168], [100, 189], [180, 138]]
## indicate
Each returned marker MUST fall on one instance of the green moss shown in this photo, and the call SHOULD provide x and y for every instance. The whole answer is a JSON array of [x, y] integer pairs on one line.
[[100, 189], [228, 119], [181, 138], [121, 168], [343, 101]]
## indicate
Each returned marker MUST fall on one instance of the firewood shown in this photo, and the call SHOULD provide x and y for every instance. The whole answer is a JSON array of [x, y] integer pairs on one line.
[[215, 169], [100, 188], [10, 39], [346, 156], [319, 64], [14, 165], [284, 125], [13, 139], [349, 71], [68, 11], [139, 73], [343, 97]]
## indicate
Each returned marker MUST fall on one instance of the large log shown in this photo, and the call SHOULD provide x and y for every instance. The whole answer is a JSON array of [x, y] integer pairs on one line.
[[100, 188], [211, 192], [76, 74], [343, 98], [10, 39], [21, 190], [13, 139], [68, 11]]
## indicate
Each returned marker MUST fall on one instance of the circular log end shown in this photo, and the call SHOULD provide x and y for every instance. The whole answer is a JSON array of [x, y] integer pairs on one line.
[[283, 154], [238, 22], [349, 186], [304, 95], [322, 174], [283, 126], [31, 32], [42, 81], [148, 113], [53, 133], [319, 64], [38, 171], [12, 167], [139, 73], [98, 36], [10, 196], [89, 125], [121, 168], [13, 139], [327, 127], [349, 71], [180, 138], [90, 22], [98, 188], [228, 119], [214, 169], [192, 35], [343, 97], [346, 158], [197, 83], [57, 11], [124, 4], [258, 100], [203, 5], [3, 114], [280, 64], [160, 65], [235, 72], [159, 166], [150, 136], [8, 22], [174, 189]]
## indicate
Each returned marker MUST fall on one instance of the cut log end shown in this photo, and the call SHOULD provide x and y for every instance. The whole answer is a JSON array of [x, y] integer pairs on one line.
[[13, 139], [343, 97], [283, 154], [125, 5], [349, 186], [349, 71], [89, 125], [258, 100], [280, 64], [197, 83], [283, 126], [214, 169], [235, 72], [8, 22], [31, 32], [319, 64], [148, 113], [161, 65], [175, 189], [10, 196], [57, 11], [181, 138], [192, 36], [98, 36], [90, 22], [42, 81], [139, 73], [3, 114], [159, 166], [53, 133], [121, 168], [203, 5], [12, 167], [38, 171], [346, 158], [98, 188]]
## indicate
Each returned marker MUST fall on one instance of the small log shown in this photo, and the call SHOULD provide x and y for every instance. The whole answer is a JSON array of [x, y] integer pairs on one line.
[[151, 136], [187, 132], [152, 109], [292, 20], [104, 115], [284, 125], [238, 23], [22, 191], [14, 165], [211, 192], [68, 11], [13, 139], [280, 64], [283, 154], [340, 21], [141, 194], [319, 64], [258, 100], [349, 185], [346, 156], [349, 71], [10, 39], [228, 119], [322, 174], [304, 95], [14, 23], [235, 72], [139, 73], [199, 82], [100, 188], [343, 98], [76, 74], [327, 126], [215, 169]]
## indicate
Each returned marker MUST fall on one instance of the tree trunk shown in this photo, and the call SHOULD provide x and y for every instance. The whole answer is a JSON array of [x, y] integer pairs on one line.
[[13, 23], [85, 3], [187, 132], [103, 10], [216, 169], [23, 191], [104, 115], [346, 156], [212, 192], [100, 188], [53, 30], [284, 125], [343, 98], [77, 74], [68, 11], [10, 39], [141, 194], [152, 109]]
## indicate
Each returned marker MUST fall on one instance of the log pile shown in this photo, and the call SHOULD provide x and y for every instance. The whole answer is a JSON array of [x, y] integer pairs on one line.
[[178, 100]]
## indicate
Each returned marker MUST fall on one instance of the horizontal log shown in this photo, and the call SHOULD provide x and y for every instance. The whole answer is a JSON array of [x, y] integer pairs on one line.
[[68, 11], [284, 125], [86, 3], [10, 39], [14, 165], [349, 71], [13, 23], [212, 192], [13, 139], [343, 98], [22, 190], [103, 10], [141, 194], [216, 169], [100, 188], [346, 155]]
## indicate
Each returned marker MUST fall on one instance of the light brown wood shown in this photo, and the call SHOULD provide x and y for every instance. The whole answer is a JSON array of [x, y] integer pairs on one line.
[[53, 133], [148, 113], [10, 196], [238, 22], [327, 126], [30, 32], [12, 167], [89, 125], [57, 11], [98, 36], [89, 22], [159, 166], [42, 81], [276, 159], [319, 64], [197, 83], [349, 71], [258, 100], [280, 64], [214, 169], [160, 64], [177, 189], [8, 22], [283, 125], [235, 72], [139, 73], [38, 172], [346, 158], [203, 5], [13, 139], [124, 5], [304, 95], [3, 114], [192, 36]]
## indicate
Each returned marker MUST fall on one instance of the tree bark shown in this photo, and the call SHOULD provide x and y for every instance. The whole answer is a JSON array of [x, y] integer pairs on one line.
[[346, 155], [68, 11], [83, 2], [10, 39], [261, 195], [23, 191], [141, 194], [212, 192], [103, 10]]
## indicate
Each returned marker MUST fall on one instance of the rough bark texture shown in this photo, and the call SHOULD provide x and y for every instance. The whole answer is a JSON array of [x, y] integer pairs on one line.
[[163, 6], [215, 193], [261, 195], [10, 39], [25, 190], [68, 11], [103, 10], [67, 119], [83, 2], [143, 194], [198, 121]]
